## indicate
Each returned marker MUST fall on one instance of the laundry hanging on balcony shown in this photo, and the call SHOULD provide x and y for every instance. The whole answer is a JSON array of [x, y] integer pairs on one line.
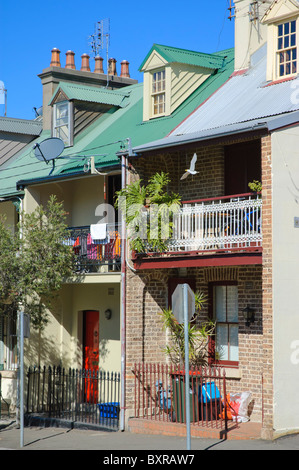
[[98, 233]]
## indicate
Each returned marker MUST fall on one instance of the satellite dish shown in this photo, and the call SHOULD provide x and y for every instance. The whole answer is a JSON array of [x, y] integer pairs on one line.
[[48, 150]]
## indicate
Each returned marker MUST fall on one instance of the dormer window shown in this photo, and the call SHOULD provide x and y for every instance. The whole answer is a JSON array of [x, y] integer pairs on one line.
[[62, 122], [287, 49], [158, 93]]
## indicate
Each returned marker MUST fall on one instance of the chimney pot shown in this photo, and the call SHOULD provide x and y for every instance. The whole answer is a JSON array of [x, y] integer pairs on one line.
[[125, 69], [70, 61], [55, 58], [85, 63], [98, 64], [112, 67]]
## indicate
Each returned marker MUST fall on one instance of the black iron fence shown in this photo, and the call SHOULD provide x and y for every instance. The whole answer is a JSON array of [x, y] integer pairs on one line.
[[82, 396]]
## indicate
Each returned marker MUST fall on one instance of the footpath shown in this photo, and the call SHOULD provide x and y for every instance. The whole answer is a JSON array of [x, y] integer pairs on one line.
[[117, 444]]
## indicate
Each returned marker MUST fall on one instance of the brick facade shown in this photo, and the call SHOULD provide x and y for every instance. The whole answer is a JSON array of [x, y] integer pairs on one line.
[[147, 291]]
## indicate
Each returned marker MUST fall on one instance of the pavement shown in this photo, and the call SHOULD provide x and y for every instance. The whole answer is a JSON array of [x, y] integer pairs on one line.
[[116, 444]]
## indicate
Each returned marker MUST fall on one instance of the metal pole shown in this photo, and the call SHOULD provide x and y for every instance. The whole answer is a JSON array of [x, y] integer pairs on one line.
[[21, 378], [123, 307], [187, 379]]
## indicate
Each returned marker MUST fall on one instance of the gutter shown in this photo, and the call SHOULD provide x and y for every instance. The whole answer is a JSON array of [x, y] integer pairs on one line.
[[48, 179]]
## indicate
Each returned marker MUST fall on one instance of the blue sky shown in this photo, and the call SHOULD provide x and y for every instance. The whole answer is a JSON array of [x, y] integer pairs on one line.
[[29, 30]]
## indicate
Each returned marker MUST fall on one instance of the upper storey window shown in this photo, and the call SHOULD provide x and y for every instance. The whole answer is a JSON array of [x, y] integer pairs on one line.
[[62, 118], [287, 49], [158, 93], [282, 24]]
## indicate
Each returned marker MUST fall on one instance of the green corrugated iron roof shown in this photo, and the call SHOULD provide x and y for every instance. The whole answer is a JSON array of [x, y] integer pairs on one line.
[[105, 137], [92, 94], [184, 56], [20, 126]]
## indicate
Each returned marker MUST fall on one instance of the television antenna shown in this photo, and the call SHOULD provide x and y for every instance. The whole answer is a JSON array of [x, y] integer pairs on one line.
[[100, 40]]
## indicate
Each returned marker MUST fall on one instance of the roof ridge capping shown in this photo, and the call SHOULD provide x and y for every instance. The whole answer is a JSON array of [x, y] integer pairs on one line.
[[179, 55]]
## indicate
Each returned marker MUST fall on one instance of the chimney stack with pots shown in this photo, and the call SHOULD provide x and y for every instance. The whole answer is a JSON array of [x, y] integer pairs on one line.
[[98, 64], [70, 60], [55, 58], [125, 69], [85, 63], [112, 67], [55, 74]]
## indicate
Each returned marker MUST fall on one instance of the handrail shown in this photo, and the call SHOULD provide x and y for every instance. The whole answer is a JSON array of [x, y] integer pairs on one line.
[[219, 198]]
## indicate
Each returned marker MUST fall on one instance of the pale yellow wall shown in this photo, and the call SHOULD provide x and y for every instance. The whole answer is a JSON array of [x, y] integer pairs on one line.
[[249, 35], [61, 341], [8, 210], [285, 169], [180, 81], [81, 198]]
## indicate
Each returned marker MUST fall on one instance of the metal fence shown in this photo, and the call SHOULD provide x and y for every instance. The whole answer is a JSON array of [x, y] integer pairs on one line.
[[83, 396], [160, 394], [93, 255]]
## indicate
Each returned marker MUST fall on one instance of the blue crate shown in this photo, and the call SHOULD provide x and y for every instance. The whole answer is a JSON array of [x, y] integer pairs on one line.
[[208, 392], [109, 410]]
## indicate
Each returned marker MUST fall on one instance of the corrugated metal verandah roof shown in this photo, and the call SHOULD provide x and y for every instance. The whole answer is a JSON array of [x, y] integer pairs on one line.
[[104, 138], [244, 102]]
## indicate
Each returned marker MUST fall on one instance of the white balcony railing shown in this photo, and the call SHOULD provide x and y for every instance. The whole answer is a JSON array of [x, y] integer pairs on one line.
[[226, 223]]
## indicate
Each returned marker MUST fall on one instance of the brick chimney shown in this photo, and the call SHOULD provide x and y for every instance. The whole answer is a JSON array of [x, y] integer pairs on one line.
[[55, 74], [70, 60], [112, 67], [85, 63], [124, 69], [98, 64], [55, 58]]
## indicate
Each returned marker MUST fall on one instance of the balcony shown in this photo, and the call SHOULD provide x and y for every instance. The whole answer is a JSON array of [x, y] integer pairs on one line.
[[96, 255], [210, 232]]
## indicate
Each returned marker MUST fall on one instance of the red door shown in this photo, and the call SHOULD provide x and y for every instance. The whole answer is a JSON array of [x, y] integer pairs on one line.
[[91, 354]]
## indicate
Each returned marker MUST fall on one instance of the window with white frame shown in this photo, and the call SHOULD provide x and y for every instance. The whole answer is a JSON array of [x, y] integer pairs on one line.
[[225, 312], [286, 48], [62, 122], [158, 93]]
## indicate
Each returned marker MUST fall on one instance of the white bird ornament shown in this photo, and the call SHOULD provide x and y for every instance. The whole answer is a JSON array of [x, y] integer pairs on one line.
[[191, 170]]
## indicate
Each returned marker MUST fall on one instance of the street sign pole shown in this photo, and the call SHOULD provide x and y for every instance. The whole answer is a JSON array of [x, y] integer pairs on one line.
[[22, 379], [187, 385]]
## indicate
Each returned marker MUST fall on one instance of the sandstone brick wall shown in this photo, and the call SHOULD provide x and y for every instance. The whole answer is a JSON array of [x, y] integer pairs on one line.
[[147, 295], [147, 291]]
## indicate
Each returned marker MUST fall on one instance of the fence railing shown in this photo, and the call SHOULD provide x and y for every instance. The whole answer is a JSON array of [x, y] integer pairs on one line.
[[160, 394], [92, 254], [233, 222], [74, 395]]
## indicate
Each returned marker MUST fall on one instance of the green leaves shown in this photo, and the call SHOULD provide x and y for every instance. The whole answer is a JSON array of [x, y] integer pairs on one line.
[[148, 212], [34, 266], [198, 336]]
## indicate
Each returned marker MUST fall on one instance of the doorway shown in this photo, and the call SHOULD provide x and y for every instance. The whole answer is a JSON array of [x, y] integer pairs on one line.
[[242, 166], [91, 321]]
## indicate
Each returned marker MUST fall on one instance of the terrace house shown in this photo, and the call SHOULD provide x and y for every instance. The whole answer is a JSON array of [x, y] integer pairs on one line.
[[237, 246], [98, 116]]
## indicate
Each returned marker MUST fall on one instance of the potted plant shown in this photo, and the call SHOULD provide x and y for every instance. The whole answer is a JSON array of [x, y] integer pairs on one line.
[[148, 211], [198, 338]]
